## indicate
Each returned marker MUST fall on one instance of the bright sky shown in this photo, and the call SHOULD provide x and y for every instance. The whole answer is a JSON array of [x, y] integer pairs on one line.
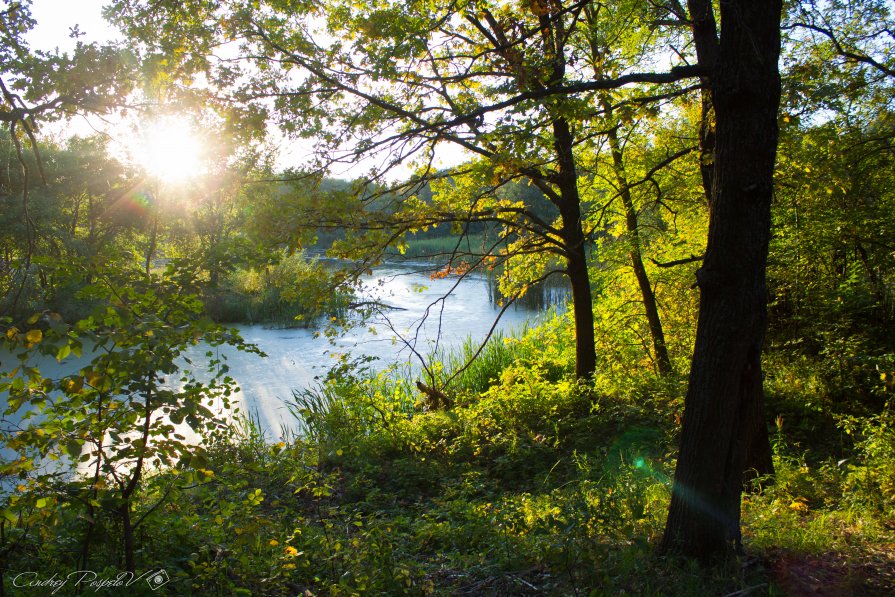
[[55, 17]]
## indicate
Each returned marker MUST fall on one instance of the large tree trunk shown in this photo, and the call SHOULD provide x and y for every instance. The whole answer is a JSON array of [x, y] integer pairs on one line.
[[724, 433], [574, 246], [582, 310], [705, 38], [660, 349]]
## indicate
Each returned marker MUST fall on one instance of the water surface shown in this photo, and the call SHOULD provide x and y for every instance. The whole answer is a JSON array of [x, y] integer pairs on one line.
[[418, 316], [425, 315]]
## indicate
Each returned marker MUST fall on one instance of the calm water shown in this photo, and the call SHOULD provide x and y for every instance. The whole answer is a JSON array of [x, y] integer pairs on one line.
[[428, 314], [423, 320]]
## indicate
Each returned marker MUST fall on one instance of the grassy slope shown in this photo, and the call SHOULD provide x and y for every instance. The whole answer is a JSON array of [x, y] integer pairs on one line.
[[530, 484]]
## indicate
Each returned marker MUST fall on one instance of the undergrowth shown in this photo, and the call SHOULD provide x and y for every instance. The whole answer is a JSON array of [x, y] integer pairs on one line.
[[290, 293], [530, 484]]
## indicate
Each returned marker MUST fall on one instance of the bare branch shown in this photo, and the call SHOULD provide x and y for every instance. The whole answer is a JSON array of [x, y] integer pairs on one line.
[[690, 259]]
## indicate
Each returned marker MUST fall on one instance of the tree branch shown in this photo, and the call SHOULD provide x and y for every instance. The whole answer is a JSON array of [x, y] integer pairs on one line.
[[840, 49], [690, 259]]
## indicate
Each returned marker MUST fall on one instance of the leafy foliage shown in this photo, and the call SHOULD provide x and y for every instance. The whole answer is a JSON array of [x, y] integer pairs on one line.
[[133, 408], [118, 452]]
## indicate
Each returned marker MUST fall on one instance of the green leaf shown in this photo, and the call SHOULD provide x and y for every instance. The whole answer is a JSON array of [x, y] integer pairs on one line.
[[73, 447], [63, 352]]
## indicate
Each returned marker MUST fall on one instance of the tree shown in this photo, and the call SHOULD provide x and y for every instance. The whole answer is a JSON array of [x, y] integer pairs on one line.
[[857, 34], [724, 432], [37, 87], [128, 410], [515, 87], [392, 83], [830, 272], [635, 252], [654, 222], [79, 211]]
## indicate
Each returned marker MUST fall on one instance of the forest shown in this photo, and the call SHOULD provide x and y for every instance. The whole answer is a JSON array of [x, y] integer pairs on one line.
[[704, 404]]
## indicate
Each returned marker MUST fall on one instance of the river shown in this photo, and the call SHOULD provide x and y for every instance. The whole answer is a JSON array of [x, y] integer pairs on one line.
[[426, 314]]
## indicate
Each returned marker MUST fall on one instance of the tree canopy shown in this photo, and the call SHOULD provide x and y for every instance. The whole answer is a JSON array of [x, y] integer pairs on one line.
[[712, 179]]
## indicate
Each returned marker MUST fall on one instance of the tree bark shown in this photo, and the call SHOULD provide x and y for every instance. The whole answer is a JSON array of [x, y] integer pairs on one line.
[[660, 349], [705, 38], [582, 310], [724, 433], [560, 184], [576, 256], [127, 529]]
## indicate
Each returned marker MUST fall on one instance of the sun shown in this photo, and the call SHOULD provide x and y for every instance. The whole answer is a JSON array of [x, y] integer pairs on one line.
[[170, 150]]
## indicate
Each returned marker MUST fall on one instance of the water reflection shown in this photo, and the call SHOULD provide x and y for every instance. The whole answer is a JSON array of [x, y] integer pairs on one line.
[[552, 293], [418, 316]]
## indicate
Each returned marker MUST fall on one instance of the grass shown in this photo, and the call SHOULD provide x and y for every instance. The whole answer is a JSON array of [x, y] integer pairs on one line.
[[530, 484]]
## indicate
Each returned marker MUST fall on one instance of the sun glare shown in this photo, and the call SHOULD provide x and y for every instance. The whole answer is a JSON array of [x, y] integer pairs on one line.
[[170, 150]]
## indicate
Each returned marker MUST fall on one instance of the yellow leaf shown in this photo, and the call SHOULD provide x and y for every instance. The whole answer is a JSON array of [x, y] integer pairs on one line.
[[93, 378], [34, 336], [799, 505]]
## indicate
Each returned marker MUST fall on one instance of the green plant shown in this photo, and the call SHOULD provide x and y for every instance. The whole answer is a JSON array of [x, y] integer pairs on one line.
[[125, 414]]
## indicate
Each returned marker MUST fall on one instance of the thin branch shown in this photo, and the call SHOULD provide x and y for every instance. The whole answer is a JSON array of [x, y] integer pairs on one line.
[[690, 259], [840, 49]]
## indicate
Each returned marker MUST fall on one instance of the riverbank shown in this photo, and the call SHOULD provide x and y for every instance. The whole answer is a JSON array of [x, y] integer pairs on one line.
[[528, 484]]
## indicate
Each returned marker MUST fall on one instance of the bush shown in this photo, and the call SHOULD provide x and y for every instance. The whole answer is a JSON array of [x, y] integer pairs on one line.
[[294, 292]]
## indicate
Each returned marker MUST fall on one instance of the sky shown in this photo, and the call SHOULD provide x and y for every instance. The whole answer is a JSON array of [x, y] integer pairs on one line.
[[55, 18]]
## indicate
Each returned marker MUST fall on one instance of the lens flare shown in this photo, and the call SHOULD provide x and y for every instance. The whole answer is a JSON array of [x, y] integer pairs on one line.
[[170, 150]]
